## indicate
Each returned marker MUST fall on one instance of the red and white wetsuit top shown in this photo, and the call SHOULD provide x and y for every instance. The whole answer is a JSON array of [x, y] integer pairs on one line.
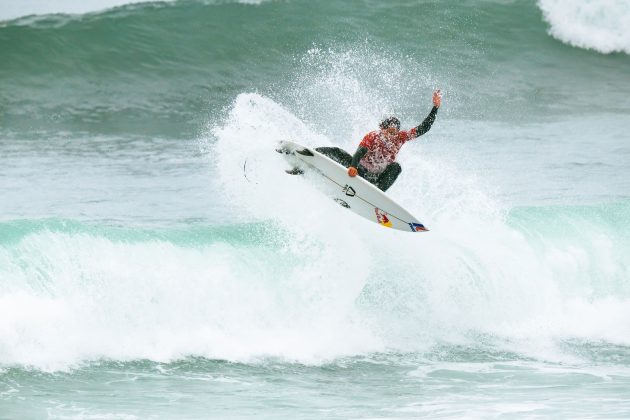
[[383, 148]]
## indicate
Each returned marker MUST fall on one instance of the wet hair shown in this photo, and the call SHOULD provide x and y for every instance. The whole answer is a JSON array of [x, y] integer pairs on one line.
[[390, 122]]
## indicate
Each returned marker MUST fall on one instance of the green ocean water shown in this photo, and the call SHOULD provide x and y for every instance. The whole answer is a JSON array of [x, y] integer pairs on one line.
[[143, 274]]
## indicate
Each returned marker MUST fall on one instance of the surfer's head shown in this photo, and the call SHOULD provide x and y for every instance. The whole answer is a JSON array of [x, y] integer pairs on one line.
[[390, 122]]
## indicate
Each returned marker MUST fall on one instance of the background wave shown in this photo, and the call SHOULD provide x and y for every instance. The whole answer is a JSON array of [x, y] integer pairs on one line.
[[603, 26], [134, 70]]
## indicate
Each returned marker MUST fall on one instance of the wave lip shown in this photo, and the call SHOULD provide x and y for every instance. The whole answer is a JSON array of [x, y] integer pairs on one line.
[[18, 10], [600, 25]]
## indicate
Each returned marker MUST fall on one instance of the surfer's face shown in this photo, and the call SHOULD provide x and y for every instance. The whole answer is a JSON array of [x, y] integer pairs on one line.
[[390, 131]]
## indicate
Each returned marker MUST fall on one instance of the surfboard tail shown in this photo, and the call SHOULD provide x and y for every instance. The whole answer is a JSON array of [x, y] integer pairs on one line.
[[417, 227]]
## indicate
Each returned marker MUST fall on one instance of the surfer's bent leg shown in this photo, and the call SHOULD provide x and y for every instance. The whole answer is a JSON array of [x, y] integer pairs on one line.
[[338, 155], [370, 177], [388, 176]]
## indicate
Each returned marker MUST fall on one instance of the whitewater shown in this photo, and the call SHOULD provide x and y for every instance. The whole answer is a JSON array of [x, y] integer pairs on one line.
[[143, 275]]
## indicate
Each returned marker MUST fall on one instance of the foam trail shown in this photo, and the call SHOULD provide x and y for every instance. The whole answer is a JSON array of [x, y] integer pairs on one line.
[[601, 25], [75, 297]]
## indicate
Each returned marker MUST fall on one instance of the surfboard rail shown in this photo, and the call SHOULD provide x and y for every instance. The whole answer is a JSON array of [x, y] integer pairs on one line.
[[353, 193]]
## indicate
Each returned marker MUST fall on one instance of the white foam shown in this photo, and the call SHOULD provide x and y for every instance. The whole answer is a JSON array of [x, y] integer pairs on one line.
[[601, 25], [472, 272], [84, 298]]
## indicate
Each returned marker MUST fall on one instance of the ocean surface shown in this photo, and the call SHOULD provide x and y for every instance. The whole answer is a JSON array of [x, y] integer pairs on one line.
[[145, 275]]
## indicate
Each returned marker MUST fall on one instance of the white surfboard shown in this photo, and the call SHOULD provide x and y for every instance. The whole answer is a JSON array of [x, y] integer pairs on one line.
[[354, 193]]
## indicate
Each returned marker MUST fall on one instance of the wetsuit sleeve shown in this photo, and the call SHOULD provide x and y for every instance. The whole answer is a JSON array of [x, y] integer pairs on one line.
[[358, 155], [426, 124]]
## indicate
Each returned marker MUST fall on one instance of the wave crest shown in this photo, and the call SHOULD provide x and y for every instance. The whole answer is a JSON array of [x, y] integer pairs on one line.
[[602, 25]]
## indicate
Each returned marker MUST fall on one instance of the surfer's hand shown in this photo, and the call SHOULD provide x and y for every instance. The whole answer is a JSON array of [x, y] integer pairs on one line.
[[437, 98], [352, 171]]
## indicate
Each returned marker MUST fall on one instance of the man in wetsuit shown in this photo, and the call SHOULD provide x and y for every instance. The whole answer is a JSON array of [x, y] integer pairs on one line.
[[375, 159]]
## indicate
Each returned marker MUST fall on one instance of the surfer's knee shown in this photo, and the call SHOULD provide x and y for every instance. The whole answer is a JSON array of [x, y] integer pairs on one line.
[[393, 170]]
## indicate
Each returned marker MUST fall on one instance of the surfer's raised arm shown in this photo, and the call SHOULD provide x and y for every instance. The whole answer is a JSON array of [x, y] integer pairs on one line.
[[428, 121]]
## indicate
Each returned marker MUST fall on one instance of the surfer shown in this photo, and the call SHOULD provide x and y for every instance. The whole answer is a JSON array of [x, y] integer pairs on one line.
[[375, 158]]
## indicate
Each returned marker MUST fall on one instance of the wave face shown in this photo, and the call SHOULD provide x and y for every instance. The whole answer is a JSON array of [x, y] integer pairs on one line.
[[142, 131], [74, 292]]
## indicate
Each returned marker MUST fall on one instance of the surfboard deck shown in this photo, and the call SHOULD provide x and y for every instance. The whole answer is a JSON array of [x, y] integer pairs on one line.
[[353, 193]]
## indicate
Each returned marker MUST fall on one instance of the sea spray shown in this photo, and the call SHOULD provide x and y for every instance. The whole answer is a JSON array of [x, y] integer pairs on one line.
[[73, 297], [474, 273]]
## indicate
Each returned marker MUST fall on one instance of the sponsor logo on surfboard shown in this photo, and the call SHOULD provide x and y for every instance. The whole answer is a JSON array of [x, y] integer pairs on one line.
[[381, 218], [343, 203], [350, 192], [417, 227]]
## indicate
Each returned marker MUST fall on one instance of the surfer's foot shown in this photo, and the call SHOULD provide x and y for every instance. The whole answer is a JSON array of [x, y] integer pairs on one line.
[[283, 150], [295, 171]]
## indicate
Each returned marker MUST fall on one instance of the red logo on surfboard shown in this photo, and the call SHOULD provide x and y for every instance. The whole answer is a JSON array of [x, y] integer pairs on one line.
[[381, 218]]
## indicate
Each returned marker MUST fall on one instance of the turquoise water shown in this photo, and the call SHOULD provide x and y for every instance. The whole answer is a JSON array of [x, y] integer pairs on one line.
[[142, 275]]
